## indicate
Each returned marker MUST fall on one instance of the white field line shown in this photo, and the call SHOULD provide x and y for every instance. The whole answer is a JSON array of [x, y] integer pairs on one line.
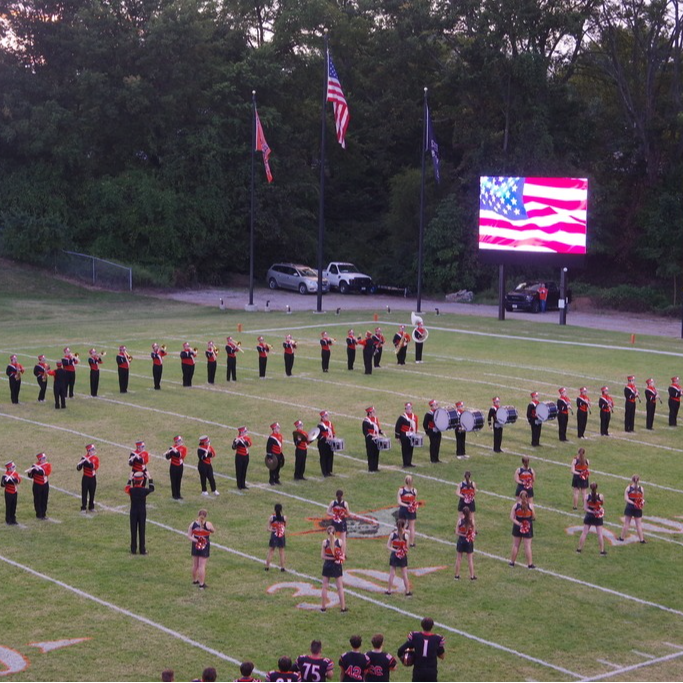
[[121, 610], [620, 672]]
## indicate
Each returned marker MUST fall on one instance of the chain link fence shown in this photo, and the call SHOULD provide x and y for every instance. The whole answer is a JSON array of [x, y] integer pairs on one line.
[[95, 271]]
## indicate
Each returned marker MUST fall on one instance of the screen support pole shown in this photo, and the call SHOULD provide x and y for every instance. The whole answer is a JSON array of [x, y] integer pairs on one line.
[[501, 292], [563, 296]]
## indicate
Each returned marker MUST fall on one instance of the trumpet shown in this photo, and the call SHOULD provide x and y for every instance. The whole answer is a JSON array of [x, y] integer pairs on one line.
[[76, 356], [269, 347], [163, 347], [129, 358], [195, 350], [103, 354], [333, 340]]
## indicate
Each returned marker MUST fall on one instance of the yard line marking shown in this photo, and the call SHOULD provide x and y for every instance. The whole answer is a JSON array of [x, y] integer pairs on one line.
[[644, 654], [634, 667], [608, 663], [673, 645], [126, 612]]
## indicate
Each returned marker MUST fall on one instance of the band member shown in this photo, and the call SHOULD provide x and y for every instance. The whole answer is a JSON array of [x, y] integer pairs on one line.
[[606, 405], [199, 532], [176, 455], [420, 334], [564, 407], [88, 464], [263, 350], [40, 372], [40, 473], [368, 345], [634, 495], [94, 361], [381, 663], [211, 354], [241, 446], [10, 482], [354, 664], [371, 430], [432, 432], [631, 395], [401, 340], [276, 525], [187, 361], [580, 475], [406, 425], [333, 556], [583, 407], [674, 400], [14, 371], [497, 427], [460, 433], [289, 345], [139, 458], [466, 491], [69, 363], [59, 385], [378, 339], [324, 449], [300, 450], [351, 343], [274, 450], [206, 454], [465, 532], [407, 507], [525, 477], [533, 420], [123, 360], [651, 398], [427, 647], [522, 517], [325, 350], [138, 493], [398, 547], [157, 355], [338, 511], [314, 667], [232, 348], [593, 506]]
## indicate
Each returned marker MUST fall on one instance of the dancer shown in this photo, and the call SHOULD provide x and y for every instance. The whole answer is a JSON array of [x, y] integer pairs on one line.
[[635, 501], [338, 510], [594, 507], [466, 492], [276, 525], [407, 507], [465, 531], [332, 554], [580, 474], [522, 517], [398, 545], [525, 478], [199, 532]]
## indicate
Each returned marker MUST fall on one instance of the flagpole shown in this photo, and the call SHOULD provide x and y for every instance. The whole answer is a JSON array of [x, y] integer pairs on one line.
[[253, 204], [321, 208], [420, 241]]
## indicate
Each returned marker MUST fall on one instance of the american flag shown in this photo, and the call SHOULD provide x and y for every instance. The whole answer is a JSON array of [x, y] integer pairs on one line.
[[533, 214], [262, 146], [336, 96], [431, 145]]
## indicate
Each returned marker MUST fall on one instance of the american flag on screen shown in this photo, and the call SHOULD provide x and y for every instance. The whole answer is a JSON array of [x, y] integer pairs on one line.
[[336, 96], [533, 214]]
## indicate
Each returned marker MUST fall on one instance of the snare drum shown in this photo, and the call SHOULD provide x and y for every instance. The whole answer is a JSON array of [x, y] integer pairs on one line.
[[507, 415], [383, 443], [416, 440], [546, 411], [446, 418], [336, 444], [472, 420]]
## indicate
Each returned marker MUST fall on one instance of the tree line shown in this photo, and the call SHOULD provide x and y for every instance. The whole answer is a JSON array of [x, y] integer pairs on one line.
[[125, 130]]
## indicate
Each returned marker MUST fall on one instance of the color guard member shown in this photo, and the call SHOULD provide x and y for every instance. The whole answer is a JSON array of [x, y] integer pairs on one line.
[[232, 348], [420, 334], [88, 464], [433, 434], [522, 517], [14, 371], [580, 475], [138, 493], [314, 667], [274, 450], [338, 511], [428, 647], [211, 362], [674, 400], [199, 533], [176, 454], [69, 363], [325, 350], [378, 340], [139, 458], [324, 449], [351, 342], [94, 361], [157, 355], [263, 350], [460, 434], [371, 430], [405, 426], [398, 546], [206, 454], [241, 446], [401, 340], [564, 407], [40, 473], [466, 491], [40, 372], [465, 532], [606, 404], [634, 495], [651, 398], [533, 419], [123, 360], [593, 505], [300, 450], [497, 427], [276, 525], [333, 556], [631, 395], [187, 361], [381, 663], [289, 345], [407, 507], [10, 482], [59, 385], [583, 407], [525, 478]]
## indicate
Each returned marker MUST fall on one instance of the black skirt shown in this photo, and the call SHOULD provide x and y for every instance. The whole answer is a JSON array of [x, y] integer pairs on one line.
[[332, 569]]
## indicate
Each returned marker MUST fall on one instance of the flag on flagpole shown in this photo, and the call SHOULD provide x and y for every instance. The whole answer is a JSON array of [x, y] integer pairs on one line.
[[262, 146], [431, 146], [336, 96]]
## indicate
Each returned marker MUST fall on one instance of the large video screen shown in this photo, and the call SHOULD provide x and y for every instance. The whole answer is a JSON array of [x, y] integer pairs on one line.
[[533, 220]]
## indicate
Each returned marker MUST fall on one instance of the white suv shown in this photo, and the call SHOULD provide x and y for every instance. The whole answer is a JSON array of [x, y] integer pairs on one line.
[[294, 276]]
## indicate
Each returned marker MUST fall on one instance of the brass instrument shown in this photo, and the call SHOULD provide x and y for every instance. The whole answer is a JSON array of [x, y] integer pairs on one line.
[[76, 356], [129, 358], [163, 347], [239, 346], [103, 354], [195, 350], [404, 342], [269, 347], [333, 340]]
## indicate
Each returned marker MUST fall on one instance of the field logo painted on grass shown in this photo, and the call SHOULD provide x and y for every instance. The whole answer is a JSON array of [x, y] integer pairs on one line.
[[375, 523], [14, 662], [353, 578]]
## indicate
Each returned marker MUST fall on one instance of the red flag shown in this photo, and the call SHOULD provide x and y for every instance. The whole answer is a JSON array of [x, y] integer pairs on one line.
[[262, 146]]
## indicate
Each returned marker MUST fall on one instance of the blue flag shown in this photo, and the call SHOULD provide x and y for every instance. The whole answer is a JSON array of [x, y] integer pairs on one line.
[[431, 145]]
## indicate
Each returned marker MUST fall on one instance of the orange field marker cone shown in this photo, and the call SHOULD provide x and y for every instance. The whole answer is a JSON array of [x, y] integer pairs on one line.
[[375, 317], [633, 339], [239, 327]]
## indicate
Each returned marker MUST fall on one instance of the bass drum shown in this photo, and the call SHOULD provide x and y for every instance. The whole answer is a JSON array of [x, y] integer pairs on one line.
[[546, 411], [446, 418], [472, 420], [507, 415]]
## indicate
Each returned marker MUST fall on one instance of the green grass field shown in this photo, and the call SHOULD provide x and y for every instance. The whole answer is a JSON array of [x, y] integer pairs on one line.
[[576, 617]]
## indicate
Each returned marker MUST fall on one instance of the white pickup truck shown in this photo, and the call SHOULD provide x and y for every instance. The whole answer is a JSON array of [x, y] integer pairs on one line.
[[346, 278]]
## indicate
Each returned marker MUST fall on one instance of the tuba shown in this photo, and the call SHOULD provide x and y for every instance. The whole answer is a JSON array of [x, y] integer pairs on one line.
[[417, 339]]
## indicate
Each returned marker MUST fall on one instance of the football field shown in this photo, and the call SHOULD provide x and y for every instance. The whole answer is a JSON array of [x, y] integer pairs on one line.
[[78, 606]]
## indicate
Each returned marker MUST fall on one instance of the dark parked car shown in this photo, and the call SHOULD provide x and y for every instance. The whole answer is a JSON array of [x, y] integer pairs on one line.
[[524, 297]]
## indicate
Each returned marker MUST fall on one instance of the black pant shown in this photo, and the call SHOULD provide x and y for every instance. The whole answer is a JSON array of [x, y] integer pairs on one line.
[[350, 358], [232, 369], [434, 445], [289, 363], [377, 359], [262, 362], [673, 412], [241, 466], [581, 422], [138, 519], [650, 408], [42, 385], [206, 474], [14, 389], [460, 439], [325, 357], [70, 383], [274, 477], [536, 432], [497, 439], [326, 457], [41, 492], [562, 422], [605, 416], [176, 473], [94, 382], [406, 451], [401, 355], [11, 507], [157, 371], [418, 351], [300, 463], [372, 453], [123, 380], [367, 360], [211, 371], [60, 396], [188, 374], [629, 416], [88, 488]]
